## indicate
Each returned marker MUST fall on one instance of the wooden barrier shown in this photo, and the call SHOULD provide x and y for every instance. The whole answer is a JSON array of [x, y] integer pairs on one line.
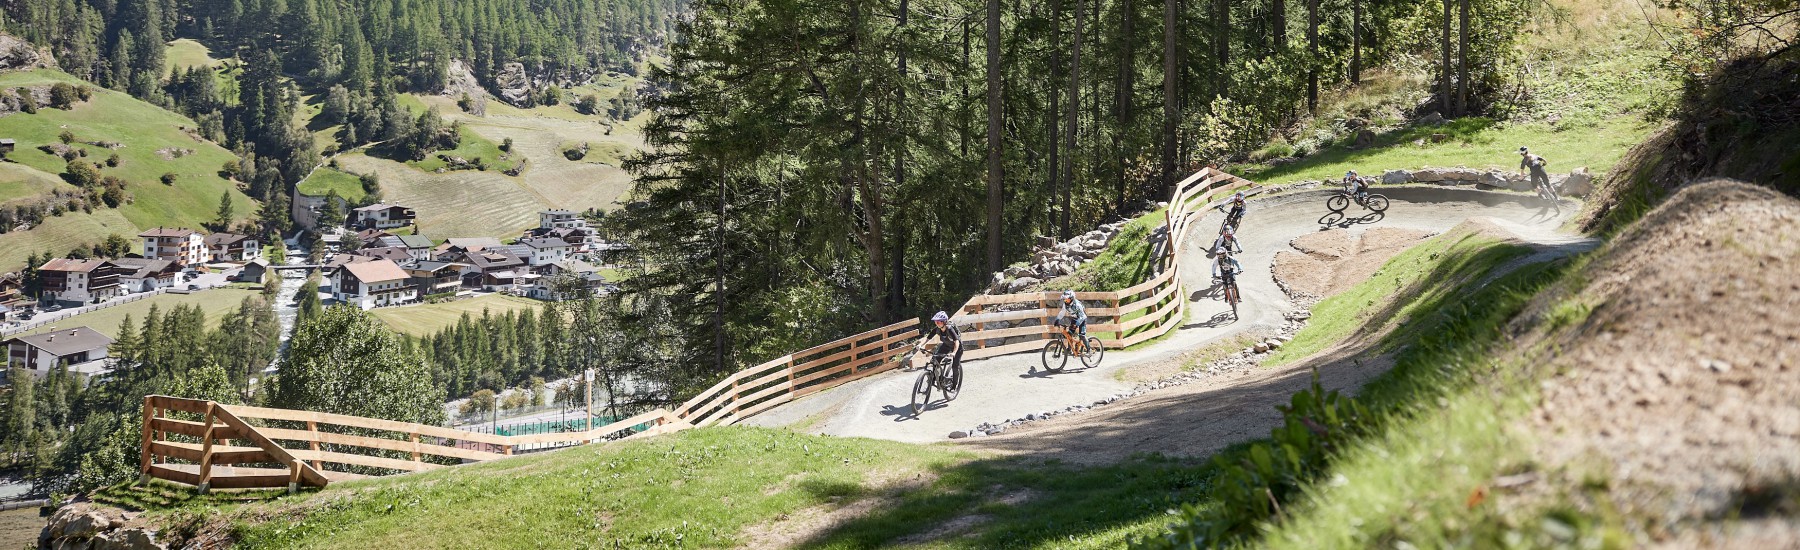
[[369, 446]]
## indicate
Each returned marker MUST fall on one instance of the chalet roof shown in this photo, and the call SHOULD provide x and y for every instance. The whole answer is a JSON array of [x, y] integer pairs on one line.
[[368, 235], [374, 207], [472, 243], [342, 260], [415, 241], [490, 260], [62, 342], [227, 239], [145, 267], [72, 266], [394, 253], [519, 250], [433, 266], [545, 242], [376, 272], [169, 232], [558, 211]]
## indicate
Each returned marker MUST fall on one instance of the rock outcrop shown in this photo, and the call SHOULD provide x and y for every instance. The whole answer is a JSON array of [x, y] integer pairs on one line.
[[91, 527]]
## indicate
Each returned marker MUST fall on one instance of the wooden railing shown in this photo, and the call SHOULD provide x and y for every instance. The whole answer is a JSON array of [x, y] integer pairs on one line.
[[191, 441], [1131, 316]]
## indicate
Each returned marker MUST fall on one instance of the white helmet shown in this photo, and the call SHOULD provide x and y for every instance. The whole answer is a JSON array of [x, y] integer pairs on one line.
[[1523, 150], [1068, 295], [1226, 231], [1238, 197]]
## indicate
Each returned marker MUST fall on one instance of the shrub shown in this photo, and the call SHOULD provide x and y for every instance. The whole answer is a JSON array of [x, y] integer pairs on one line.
[[80, 174], [27, 102], [112, 161], [63, 96], [575, 153], [84, 92], [168, 178], [67, 137], [506, 145]]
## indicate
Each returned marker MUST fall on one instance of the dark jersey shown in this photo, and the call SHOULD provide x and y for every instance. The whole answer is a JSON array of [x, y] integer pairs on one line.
[[948, 333]]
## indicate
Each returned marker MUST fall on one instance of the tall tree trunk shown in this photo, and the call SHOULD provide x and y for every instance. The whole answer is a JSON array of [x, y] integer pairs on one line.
[[965, 82], [1462, 61], [1122, 99], [1222, 45], [1444, 68], [719, 281], [896, 300], [1312, 56], [993, 135], [1171, 95], [1277, 25], [1356, 41], [1053, 119], [1073, 125], [868, 188]]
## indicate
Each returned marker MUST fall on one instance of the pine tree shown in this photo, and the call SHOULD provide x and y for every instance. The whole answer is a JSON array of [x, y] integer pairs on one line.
[[225, 214]]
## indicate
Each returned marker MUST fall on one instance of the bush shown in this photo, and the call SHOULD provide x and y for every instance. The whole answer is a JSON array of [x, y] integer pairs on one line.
[[112, 161], [168, 178], [67, 137], [84, 92], [27, 102], [80, 174], [63, 96], [575, 153], [506, 145]]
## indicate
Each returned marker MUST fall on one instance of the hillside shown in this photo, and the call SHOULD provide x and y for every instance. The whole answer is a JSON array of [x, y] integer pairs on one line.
[[151, 142]]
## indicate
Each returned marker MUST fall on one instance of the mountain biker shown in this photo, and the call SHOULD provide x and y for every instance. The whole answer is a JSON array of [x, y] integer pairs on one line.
[[1077, 312], [1238, 207], [1227, 242], [1527, 160], [949, 339], [1230, 264], [1356, 185]]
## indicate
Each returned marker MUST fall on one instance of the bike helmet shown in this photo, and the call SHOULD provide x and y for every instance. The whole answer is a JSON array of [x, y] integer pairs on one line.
[[1239, 197], [1226, 231], [1349, 174], [1523, 150], [941, 316], [1068, 295]]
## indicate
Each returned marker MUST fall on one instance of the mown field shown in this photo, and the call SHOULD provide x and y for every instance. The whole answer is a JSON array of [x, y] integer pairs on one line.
[[149, 136], [215, 302], [454, 204], [426, 319], [326, 179]]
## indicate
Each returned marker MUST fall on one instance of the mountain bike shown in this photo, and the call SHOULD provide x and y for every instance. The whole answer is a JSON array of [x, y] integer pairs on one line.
[[1546, 192], [1228, 279], [1056, 353], [1342, 200], [942, 374], [1232, 217]]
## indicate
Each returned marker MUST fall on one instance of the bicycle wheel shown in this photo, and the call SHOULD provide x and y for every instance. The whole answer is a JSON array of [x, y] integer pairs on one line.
[[951, 383], [1377, 203], [1232, 297], [1054, 356], [921, 394], [1337, 203], [1094, 352]]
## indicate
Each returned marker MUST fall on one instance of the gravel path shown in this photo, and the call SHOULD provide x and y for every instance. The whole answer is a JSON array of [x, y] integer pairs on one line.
[[1225, 407]]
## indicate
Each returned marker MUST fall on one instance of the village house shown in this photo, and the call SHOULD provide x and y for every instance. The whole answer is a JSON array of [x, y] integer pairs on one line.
[[13, 300], [545, 251], [231, 247], [185, 247], [417, 246], [382, 216], [369, 285], [146, 274], [81, 349], [77, 282], [462, 245], [558, 273], [489, 270], [255, 271], [433, 277], [392, 253]]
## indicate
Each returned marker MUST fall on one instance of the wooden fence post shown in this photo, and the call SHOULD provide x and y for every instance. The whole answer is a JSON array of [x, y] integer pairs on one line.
[[414, 436], [144, 460], [206, 450], [294, 476], [313, 426]]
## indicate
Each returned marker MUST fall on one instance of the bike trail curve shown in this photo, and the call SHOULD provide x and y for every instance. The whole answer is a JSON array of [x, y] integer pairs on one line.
[[1013, 386]]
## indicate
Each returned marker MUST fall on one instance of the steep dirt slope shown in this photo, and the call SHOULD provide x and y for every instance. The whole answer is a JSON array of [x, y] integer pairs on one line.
[[1681, 384]]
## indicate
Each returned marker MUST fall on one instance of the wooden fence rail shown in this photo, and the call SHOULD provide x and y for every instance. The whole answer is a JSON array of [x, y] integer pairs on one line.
[[213, 445]]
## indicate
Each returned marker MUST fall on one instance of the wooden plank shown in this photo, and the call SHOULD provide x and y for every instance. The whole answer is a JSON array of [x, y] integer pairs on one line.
[[379, 443], [150, 413], [196, 406], [246, 411], [167, 473], [303, 472], [1016, 315], [222, 454], [1003, 350], [363, 460], [760, 407], [193, 429], [1017, 331], [566, 437]]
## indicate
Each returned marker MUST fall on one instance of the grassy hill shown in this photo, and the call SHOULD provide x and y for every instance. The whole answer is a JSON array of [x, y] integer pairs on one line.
[[214, 302], [152, 142], [428, 319]]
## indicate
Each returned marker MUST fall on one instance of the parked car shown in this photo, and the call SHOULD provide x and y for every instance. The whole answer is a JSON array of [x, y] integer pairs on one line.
[[193, 287]]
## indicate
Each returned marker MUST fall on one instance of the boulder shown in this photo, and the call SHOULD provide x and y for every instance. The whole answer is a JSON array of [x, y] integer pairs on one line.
[[1096, 243], [958, 434], [1017, 270], [1273, 343], [514, 84], [1433, 119], [1448, 176], [1020, 283], [1261, 347], [1579, 183], [1364, 138], [1396, 176], [1045, 241]]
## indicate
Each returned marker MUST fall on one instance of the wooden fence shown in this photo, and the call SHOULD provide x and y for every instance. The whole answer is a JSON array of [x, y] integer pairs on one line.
[[192, 441]]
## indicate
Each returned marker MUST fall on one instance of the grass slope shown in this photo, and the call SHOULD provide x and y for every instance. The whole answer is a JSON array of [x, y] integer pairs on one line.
[[326, 179], [143, 129], [427, 319], [454, 204], [214, 302]]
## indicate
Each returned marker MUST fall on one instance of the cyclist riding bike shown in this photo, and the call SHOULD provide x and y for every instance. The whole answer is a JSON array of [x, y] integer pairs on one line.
[[1237, 205], [1073, 309], [949, 339], [1230, 265], [1357, 186], [1227, 242], [1527, 160]]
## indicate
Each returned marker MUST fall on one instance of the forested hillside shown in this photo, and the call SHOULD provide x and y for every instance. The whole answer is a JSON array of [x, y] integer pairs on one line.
[[892, 154]]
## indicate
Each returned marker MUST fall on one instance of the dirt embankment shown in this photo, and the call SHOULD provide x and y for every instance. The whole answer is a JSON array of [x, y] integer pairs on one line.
[[1329, 262], [1681, 383]]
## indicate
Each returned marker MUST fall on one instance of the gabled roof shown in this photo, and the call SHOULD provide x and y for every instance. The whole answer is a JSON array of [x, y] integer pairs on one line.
[[385, 241], [488, 260], [227, 239], [433, 266], [519, 250], [374, 207], [368, 235], [415, 241], [376, 271], [145, 267], [73, 266], [61, 342], [169, 232], [386, 253], [472, 243], [342, 260], [541, 243]]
